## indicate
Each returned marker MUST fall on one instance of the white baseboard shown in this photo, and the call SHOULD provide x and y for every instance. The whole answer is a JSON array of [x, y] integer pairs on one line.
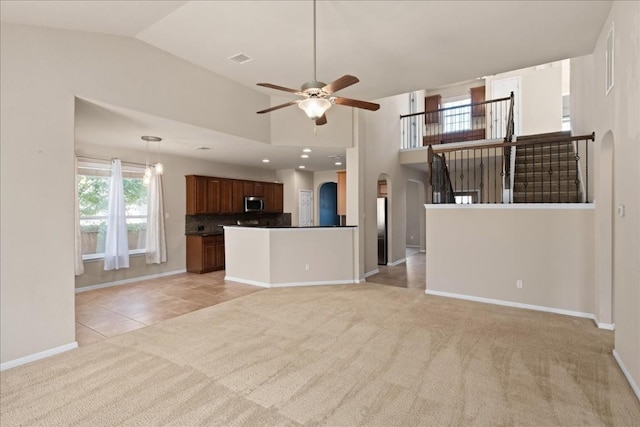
[[397, 262], [602, 325], [292, 284], [512, 304], [37, 356], [627, 375], [127, 281], [371, 273]]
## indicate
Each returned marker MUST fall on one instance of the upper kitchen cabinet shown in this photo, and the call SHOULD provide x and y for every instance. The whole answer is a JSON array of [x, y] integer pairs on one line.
[[226, 196], [197, 195], [273, 197]]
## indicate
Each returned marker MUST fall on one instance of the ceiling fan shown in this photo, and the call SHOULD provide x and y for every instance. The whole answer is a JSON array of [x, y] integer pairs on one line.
[[318, 96]]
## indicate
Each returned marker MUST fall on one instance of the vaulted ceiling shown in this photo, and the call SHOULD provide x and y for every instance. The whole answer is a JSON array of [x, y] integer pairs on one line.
[[392, 46]]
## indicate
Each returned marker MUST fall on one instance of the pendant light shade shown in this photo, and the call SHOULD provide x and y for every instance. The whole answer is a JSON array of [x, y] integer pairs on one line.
[[314, 107]]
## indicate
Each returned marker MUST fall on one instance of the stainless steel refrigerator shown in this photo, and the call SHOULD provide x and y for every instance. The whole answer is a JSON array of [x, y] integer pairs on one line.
[[382, 230]]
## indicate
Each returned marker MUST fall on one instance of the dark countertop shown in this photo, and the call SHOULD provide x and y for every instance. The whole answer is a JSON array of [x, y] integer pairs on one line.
[[290, 226], [205, 233]]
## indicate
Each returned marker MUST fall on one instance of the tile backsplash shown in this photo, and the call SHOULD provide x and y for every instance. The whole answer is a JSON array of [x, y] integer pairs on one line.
[[211, 223]]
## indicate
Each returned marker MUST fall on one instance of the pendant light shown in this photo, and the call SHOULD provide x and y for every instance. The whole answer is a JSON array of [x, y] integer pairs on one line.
[[159, 168]]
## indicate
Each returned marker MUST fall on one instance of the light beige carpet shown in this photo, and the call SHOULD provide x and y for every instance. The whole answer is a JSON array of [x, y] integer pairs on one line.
[[338, 356]]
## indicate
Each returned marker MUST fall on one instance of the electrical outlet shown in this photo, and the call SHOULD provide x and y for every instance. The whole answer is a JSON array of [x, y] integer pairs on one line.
[[519, 284], [201, 228], [306, 267]]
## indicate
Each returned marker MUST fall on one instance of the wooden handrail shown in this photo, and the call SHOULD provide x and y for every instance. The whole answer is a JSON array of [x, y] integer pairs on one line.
[[591, 137], [456, 107]]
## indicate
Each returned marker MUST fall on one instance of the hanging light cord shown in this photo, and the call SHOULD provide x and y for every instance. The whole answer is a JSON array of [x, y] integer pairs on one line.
[[315, 78]]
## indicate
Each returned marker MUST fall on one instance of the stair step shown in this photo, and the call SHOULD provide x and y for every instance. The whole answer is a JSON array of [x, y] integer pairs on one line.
[[547, 197], [554, 147], [566, 157], [539, 175], [548, 135], [554, 167], [545, 186]]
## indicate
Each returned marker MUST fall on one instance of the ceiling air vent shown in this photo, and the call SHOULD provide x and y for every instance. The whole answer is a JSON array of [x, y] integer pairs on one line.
[[240, 58]]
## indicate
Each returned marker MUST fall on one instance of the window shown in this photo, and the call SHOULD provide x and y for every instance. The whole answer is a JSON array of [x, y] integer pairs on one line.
[[566, 113], [609, 57], [93, 199], [457, 115]]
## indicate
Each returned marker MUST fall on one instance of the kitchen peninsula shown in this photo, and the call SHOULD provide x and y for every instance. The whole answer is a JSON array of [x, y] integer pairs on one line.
[[290, 256]]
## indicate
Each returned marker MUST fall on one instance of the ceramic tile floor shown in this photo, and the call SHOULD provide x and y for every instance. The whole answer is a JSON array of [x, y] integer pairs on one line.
[[411, 274], [112, 311], [107, 312]]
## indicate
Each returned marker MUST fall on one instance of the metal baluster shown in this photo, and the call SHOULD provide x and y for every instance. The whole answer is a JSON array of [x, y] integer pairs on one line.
[[586, 174], [577, 170]]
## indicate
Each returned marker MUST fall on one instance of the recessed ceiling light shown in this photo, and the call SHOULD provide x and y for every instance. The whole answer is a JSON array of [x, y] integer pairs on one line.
[[240, 58], [265, 160], [307, 150], [304, 156], [203, 148], [301, 167], [338, 163]]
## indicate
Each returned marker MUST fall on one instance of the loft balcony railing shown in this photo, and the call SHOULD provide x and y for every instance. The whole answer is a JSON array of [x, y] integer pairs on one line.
[[545, 169], [492, 119]]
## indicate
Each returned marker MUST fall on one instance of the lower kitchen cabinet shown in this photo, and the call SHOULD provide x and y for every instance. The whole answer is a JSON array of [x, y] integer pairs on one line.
[[205, 253]]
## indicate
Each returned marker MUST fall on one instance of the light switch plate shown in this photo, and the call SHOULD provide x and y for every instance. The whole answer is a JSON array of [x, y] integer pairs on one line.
[[621, 210]]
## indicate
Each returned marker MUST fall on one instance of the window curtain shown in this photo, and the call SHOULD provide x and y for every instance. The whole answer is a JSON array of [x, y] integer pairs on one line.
[[79, 265], [156, 243], [116, 250]]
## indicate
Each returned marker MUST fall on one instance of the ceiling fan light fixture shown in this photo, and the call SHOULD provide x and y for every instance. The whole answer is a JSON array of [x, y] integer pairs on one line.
[[314, 108]]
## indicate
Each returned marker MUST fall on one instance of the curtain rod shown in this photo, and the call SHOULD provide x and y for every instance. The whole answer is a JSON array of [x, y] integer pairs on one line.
[[109, 160]]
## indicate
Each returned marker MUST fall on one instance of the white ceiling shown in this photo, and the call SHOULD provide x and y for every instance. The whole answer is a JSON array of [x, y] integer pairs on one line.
[[392, 46]]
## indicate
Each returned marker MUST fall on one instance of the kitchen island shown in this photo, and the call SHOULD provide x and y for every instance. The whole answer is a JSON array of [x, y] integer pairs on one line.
[[290, 256]]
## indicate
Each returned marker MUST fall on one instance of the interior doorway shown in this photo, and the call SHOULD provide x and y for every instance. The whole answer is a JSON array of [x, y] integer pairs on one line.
[[382, 219], [328, 204], [305, 208]]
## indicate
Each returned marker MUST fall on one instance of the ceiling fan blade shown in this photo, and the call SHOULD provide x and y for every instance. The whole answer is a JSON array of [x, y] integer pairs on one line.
[[286, 89], [341, 83], [277, 107], [355, 103], [322, 120]]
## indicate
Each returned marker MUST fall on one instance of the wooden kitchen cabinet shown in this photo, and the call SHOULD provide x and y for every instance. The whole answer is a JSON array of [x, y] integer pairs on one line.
[[273, 197], [213, 194], [226, 196], [237, 198], [342, 193], [197, 194], [205, 253], [210, 195]]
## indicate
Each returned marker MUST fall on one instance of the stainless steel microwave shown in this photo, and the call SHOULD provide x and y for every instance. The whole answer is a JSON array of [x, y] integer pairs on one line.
[[253, 204]]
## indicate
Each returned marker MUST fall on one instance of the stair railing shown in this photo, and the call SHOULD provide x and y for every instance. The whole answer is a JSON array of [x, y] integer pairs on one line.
[[470, 122], [548, 171]]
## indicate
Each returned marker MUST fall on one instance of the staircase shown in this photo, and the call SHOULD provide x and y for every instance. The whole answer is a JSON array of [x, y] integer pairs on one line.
[[546, 172]]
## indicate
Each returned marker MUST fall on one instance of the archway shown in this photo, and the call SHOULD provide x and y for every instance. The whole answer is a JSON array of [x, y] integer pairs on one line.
[[383, 219], [328, 204]]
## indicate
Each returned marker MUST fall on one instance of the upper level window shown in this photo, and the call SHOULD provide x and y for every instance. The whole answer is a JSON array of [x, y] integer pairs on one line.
[[456, 115], [93, 199]]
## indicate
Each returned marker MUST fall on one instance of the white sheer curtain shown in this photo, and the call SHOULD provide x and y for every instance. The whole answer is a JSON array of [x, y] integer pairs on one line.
[[156, 243], [116, 248], [79, 265]]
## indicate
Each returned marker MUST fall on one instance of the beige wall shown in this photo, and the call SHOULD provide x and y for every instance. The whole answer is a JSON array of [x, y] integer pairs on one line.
[[321, 255], [616, 120], [173, 182], [482, 252], [294, 180], [540, 97], [41, 71]]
